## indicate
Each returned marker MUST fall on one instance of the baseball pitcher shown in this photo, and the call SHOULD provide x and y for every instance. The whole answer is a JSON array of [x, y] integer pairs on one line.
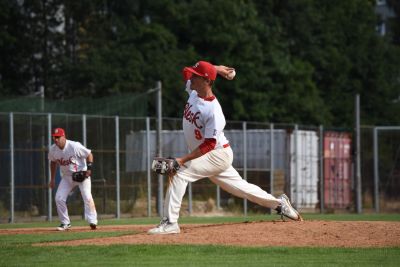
[[211, 155]]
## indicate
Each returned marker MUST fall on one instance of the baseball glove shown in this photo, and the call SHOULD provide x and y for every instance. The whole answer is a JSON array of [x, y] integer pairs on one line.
[[79, 176], [165, 166]]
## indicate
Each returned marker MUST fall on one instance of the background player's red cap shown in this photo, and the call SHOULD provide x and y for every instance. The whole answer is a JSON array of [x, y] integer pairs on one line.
[[58, 132], [201, 68]]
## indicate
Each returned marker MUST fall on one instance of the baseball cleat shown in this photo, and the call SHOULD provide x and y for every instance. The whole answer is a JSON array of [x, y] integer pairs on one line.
[[64, 227], [165, 227], [93, 226], [286, 209]]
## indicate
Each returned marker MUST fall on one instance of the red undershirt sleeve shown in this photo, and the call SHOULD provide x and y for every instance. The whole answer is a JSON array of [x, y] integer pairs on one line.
[[207, 145]]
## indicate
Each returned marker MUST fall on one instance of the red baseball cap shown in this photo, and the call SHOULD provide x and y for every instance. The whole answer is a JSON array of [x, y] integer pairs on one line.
[[201, 68], [58, 132]]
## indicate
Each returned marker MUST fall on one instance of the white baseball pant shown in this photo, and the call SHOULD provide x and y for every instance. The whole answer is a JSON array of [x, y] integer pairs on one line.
[[217, 165], [64, 188]]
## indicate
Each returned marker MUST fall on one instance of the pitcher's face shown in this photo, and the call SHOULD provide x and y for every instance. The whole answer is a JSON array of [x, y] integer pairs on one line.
[[198, 83]]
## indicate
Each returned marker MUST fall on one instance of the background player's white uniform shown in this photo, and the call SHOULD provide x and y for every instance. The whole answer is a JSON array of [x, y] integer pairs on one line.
[[203, 118], [72, 159]]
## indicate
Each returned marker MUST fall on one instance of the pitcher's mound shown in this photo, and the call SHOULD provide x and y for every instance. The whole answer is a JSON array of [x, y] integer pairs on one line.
[[275, 233]]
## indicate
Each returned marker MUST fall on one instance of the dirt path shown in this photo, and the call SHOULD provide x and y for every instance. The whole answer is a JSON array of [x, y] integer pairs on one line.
[[275, 233]]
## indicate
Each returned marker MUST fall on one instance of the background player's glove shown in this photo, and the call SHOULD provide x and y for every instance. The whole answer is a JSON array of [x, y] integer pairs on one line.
[[79, 176], [166, 166]]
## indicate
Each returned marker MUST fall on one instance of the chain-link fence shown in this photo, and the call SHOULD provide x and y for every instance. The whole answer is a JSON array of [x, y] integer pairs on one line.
[[122, 104], [312, 165], [380, 151]]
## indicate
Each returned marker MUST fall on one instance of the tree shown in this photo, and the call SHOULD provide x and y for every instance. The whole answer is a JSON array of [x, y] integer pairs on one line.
[[297, 61], [31, 45], [346, 55], [12, 49]]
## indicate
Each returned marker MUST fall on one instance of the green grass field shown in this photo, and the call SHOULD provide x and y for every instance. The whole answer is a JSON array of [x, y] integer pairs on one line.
[[17, 249]]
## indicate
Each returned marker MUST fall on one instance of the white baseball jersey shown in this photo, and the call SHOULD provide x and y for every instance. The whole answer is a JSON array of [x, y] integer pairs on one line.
[[71, 159], [202, 118]]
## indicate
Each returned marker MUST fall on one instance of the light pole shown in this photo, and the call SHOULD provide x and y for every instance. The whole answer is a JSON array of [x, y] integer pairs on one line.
[[39, 93], [160, 195]]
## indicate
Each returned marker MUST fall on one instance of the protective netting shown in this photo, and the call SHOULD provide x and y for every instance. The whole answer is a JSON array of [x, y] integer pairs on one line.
[[122, 105]]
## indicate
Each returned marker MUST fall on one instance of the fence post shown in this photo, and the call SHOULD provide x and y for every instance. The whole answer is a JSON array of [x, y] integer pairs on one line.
[[84, 132], [117, 182], [321, 169], [50, 190], [84, 142], [218, 197], [271, 155], [296, 163], [376, 172], [190, 198], [159, 149], [244, 127], [12, 185], [148, 167], [358, 159]]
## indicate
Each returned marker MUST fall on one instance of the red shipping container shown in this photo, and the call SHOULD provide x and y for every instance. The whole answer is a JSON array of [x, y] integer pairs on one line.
[[337, 169]]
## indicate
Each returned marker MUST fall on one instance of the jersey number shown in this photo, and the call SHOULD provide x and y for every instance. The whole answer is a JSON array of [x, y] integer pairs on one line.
[[197, 134]]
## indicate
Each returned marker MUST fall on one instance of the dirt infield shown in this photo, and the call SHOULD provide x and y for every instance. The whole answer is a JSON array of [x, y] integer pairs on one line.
[[272, 233]]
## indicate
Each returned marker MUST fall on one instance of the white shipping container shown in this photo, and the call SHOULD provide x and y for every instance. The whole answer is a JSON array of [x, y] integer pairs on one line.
[[304, 169], [173, 144], [258, 148]]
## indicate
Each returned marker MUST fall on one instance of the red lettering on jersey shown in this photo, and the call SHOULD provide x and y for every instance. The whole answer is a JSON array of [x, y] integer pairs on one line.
[[191, 117], [65, 162]]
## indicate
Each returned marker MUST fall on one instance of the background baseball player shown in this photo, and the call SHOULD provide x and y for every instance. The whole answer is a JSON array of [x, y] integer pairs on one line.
[[76, 161], [211, 155]]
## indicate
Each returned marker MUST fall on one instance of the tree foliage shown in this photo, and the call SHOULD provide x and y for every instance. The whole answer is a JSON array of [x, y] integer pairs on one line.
[[297, 61]]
